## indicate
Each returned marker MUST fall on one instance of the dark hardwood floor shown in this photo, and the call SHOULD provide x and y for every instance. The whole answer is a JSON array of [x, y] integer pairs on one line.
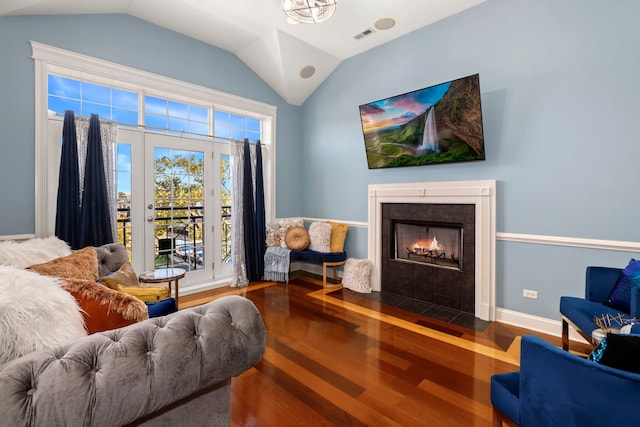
[[337, 358]]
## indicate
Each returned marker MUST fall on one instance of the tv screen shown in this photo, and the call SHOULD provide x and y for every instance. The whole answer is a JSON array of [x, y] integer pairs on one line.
[[437, 124]]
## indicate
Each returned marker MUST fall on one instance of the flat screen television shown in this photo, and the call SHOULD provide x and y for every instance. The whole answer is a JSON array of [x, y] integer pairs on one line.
[[437, 124]]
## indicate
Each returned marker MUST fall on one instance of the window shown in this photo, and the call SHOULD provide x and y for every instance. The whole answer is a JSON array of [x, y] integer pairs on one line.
[[235, 126], [175, 117], [160, 120], [86, 98]]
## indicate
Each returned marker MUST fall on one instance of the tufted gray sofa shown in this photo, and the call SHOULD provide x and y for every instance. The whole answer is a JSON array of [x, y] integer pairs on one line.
[[167, 371]]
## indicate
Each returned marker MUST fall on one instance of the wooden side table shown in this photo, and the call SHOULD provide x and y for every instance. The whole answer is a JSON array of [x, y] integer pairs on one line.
[[164, 275]]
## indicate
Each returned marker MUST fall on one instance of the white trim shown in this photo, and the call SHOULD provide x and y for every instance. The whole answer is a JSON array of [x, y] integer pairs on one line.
[[611, 245], [482, 194], [358, 224], [535, 323], [17, 237]]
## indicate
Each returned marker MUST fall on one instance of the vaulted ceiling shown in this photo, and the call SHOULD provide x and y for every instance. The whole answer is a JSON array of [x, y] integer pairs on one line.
[[258, 33]]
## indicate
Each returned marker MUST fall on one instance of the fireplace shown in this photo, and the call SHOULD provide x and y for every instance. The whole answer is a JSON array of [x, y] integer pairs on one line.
[[424, 242], [463, 276], [427, 253]]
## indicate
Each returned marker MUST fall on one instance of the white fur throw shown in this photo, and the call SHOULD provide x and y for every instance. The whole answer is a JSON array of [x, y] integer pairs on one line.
[[356, 275], [33, 251], [35, 313], [320, 236]]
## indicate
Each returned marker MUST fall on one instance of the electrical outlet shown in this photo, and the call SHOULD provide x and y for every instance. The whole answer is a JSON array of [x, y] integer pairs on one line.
[[530, 294]]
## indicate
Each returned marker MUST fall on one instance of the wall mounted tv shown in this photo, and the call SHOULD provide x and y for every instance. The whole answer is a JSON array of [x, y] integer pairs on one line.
[[437, 124]]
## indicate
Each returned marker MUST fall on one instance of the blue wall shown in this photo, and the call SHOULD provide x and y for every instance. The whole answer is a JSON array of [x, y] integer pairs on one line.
[[135, 43], [560, 89]]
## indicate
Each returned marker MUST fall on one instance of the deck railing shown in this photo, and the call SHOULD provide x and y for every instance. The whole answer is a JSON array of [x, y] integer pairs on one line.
[[183, 228]]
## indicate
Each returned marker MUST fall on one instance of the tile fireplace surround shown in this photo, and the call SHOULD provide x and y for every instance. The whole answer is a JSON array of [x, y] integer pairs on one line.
[[481, 194]]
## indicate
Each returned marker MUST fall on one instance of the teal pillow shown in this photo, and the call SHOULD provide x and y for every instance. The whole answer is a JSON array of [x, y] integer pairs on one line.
[[620, 296]]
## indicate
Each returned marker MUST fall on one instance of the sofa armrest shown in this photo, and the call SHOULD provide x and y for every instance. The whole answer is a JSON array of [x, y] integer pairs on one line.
[[119, 376], [599, 282]]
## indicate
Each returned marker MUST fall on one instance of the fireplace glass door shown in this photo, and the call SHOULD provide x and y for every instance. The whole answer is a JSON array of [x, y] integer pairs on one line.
[[428, 243]]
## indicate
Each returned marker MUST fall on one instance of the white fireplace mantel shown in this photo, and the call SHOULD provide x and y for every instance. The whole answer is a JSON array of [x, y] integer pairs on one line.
[[482, 194]]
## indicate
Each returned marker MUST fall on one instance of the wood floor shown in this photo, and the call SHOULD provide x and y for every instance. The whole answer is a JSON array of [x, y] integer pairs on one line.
[[336, 359]]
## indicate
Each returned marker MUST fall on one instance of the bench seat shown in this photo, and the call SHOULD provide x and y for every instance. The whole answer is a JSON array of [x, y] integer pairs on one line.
[[328, 259]]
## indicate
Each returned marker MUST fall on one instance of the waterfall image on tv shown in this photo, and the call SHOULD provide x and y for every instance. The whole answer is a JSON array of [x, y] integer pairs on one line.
[[437, 124]]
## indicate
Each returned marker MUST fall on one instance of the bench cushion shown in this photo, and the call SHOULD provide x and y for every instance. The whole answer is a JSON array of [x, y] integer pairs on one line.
[[314, 256]]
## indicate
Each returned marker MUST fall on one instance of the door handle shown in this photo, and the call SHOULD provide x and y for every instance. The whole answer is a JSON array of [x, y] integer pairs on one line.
[[150, 219]]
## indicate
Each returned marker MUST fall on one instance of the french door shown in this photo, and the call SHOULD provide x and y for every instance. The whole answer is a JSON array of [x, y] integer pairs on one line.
[[179, 204]]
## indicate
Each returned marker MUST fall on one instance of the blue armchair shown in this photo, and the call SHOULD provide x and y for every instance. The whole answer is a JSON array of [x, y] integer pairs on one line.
[[558, 388], [580, 312]]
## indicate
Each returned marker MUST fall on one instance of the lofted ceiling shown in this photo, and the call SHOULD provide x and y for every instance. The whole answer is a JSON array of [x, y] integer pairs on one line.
[[257, 32]]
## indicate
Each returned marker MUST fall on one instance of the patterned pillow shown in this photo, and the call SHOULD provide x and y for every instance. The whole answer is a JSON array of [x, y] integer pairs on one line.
[[124, 276], [285, 225], [356, 275], [338, 235], [82, 264], [618, 351], [320, 237], [620, 296]]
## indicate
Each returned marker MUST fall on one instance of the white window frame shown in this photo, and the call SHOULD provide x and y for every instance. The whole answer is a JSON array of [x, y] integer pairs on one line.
[[53, 60]]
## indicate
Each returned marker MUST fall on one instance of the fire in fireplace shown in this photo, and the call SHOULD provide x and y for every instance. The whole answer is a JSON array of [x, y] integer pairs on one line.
[[429, 243]]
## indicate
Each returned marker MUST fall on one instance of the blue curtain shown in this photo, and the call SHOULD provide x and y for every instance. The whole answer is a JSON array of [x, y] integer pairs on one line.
[[68, 202], [95, 219], [261, 229], [253, 215]]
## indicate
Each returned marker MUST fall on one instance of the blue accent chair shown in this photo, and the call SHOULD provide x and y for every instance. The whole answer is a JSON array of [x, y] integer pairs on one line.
[[580, 312], [557, 388]]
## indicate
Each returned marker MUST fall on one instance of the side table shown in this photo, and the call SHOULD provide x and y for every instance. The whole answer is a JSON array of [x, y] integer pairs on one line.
[[164, 275]]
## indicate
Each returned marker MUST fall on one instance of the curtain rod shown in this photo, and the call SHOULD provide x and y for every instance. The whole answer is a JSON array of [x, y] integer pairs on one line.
[[181, 132]]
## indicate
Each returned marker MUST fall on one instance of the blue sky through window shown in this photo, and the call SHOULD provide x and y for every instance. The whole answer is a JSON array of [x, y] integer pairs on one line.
[[161, 114]]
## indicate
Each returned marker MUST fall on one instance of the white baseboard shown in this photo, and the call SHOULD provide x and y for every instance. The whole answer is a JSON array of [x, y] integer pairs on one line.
[[535, 323]]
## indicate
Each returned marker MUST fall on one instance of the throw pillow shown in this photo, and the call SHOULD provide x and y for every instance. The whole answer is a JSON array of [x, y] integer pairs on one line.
[[33, 251], [356, 275], [320, 237], [285, 225], [338, 235], [162, 308], [35, 314], [620, 296], [297, 238], [82, 264], [124, 276], [105, 309], [146, 294], [618, 351]]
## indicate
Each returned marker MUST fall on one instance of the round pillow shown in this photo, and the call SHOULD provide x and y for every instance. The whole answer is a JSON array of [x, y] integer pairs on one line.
[[297, 238]]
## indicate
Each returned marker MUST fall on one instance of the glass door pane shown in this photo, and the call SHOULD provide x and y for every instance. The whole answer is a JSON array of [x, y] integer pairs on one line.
[[177, 206]]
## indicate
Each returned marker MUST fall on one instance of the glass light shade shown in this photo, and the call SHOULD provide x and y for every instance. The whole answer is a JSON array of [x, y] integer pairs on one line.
[[308, 11]]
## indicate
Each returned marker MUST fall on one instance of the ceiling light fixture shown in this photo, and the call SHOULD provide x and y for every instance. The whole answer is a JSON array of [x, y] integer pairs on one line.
[[308, 11]]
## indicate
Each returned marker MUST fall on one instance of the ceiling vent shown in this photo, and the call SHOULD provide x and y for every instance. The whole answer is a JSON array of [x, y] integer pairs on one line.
[[364, 34]]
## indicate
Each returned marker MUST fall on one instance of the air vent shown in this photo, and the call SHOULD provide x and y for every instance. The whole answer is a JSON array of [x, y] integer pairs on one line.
[[364, 34]]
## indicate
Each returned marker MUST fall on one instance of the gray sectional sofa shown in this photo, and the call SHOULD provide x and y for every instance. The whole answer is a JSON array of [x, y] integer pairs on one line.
[[171, 371]]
